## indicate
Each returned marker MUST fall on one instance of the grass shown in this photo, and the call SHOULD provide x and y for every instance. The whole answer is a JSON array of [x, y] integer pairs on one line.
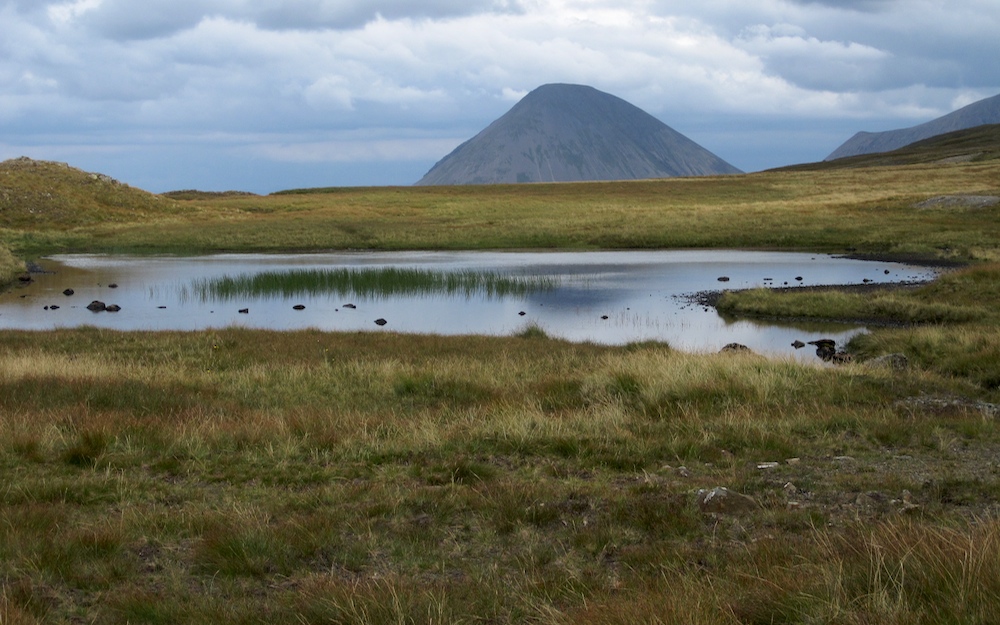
[[846, 210], [382, 282], [249, 476], [318, 477], [10, 266], [932, 303]]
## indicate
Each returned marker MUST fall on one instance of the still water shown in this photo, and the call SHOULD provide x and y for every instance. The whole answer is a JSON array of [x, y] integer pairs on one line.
[[604, 297]]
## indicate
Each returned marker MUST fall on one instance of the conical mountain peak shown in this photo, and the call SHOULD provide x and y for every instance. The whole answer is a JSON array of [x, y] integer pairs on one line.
[[568, 133]]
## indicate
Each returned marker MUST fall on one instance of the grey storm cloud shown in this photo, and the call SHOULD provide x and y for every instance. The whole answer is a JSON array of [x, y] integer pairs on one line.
[[853, 5], [127, 19]]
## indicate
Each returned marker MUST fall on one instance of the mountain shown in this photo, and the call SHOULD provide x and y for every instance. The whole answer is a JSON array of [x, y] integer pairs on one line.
[[978, 144], [976, 114], [565, 133]]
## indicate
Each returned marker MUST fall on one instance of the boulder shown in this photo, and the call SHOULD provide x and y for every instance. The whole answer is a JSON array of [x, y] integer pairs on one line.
[[721, 500], [113, 308], [96, 306], [380, 322], [733, 348], [826, 349], [68, 292], [298, 307]]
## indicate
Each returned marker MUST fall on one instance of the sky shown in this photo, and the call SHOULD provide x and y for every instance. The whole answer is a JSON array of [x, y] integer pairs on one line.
[[265, 95]]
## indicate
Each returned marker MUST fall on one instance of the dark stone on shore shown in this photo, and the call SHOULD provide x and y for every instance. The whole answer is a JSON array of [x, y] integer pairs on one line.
[[732, 348], [723, 278], [826, 349], [162, 307], [380, 322], [351, 306], [68, 292], [54, 307], [605, 317], [25, 278], [823, 343], [113, 308], [244, 311], [798, 344], [886, 272], [299, 307], [521, 314], [798, 278], [112, 286], [96, 306]]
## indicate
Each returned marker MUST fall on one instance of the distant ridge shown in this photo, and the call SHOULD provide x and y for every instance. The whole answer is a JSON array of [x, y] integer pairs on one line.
[[972, 145], [569, 133], [985, 111]]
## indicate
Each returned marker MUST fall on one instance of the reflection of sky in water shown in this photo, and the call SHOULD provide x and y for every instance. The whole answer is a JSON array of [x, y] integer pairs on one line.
[[638, 292]]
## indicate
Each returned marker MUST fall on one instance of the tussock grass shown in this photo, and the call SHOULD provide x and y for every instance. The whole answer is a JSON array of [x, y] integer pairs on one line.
[[10, 266], [374, 477]]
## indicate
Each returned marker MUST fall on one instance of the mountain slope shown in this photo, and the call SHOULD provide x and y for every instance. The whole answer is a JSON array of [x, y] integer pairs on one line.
[[985, 111], [978, 144], [565, 133]]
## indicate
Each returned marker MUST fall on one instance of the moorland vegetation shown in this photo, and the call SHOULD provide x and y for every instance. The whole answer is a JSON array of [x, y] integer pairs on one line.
[[307, 477]]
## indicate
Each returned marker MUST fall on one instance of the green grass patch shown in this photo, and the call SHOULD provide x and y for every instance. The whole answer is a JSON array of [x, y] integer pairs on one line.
[[960, 296]]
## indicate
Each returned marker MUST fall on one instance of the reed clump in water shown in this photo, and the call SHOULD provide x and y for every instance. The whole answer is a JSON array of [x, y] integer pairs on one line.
[[372, 283]]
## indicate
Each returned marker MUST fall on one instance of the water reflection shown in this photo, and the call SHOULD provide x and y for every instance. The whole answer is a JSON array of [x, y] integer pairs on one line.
[[604, 297]]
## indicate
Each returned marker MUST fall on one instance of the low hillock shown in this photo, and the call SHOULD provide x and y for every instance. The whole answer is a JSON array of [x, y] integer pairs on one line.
[[54, 195]]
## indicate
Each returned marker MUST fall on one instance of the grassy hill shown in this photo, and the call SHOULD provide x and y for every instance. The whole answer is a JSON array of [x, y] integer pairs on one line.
[[978, 144], [46, 194]]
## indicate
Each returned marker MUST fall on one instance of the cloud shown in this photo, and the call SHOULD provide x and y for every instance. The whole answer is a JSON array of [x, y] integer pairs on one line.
[[808, 62], [124, 20], [310, 81], [851, 5]]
